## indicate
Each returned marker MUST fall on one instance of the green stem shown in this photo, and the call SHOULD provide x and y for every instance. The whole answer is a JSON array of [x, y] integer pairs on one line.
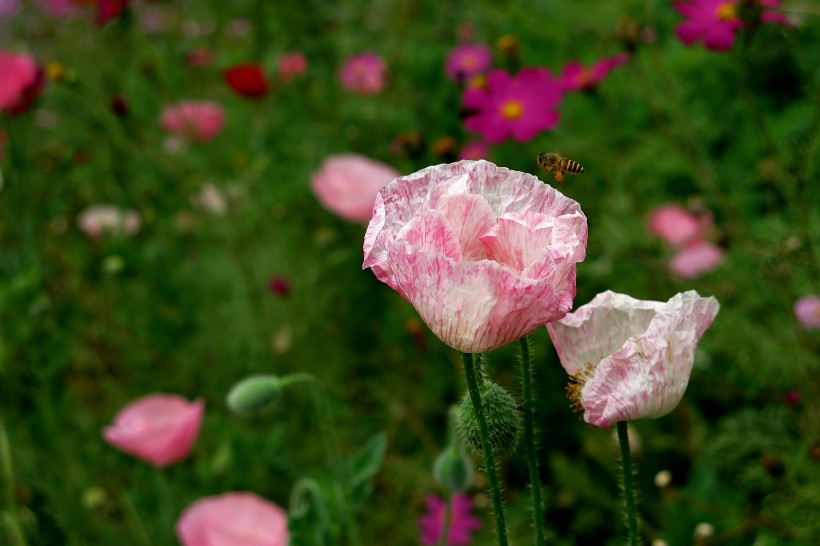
[[9, 516], [629, 489], [529, 440], [489, 460], [445, 528]]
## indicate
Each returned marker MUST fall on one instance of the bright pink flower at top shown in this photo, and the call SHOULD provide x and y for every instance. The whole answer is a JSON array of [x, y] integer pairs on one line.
[[291, 65], [98, 220], [365, 74], [109, 9], [158, 428], [462, 523], [716, 21], [20, 81], [201, 121], [696, 259], [631, 359], [677, 226], [807, 311], [347, 184], [247, 80], [575, 77], [519, 107], [475, 150], [486, 255], [233, 519], [468, 60], [9, 9]]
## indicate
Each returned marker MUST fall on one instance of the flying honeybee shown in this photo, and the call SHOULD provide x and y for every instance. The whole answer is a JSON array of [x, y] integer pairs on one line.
[[558, 165]]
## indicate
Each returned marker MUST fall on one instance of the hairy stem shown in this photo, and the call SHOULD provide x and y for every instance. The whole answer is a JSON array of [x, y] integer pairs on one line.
[[529, 441], [629, 488]]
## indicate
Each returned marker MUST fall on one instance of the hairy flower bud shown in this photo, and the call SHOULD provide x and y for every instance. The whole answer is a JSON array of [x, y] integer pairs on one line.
[[503, 419], [453, 469], [254, 395]]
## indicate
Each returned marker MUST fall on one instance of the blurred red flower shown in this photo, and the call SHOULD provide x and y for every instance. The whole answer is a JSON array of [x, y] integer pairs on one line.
[[109, 9], [247, 80]]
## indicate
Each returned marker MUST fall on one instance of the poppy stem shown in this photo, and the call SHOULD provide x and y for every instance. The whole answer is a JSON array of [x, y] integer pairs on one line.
[[529, 440], [9, 517], [445, 524], [629, 489], [489, 460]]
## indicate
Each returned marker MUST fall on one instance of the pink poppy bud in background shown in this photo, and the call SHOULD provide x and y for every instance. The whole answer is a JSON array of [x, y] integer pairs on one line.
[[233, 519], [631, 359], [20, 82], [485, 254], [158, 428], [98, 220], [807, 311], [291, 65], [347, 185], [696, 259], [365, 74], [675, 225], [195, 120]]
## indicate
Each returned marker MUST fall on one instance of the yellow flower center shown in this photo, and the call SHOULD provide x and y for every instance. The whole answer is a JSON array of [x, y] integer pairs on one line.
[[576, 385], [726, 12], [512, 110]]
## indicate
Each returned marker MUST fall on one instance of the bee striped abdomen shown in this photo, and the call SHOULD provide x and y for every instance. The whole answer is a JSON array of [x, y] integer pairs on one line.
[[571, 166]]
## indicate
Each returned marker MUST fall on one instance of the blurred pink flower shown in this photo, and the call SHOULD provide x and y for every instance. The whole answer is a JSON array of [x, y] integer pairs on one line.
[[201, 121], [347, 184], [807, 311], [158, 428], [631, 359], [60, 8], [9, 9], [696, 259], [98, 220], [462, 523], [486, 255], [365, 74], [20, 83], [279, 286], [715, 22], [468, 60], [575, 77], [677, 226], [475, 150], [291, 65], [199, 57], [519, 107], [233, 519], [109, 9]]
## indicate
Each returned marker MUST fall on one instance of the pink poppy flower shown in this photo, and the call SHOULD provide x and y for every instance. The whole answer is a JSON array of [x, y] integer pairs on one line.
[[291, 65], [696, 259], [475, 150], [631, 359], [807, 311], [365, 74], [676, 225], [200, 121], [233, 519], [20, 83], [462, 523], [158, 428], [486, 255], [575, 77], [98, 220], [347, 184], [468, 60], [519, 107]]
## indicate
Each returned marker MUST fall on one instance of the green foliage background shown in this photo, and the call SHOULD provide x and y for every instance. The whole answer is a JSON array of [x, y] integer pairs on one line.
[[735, 133]]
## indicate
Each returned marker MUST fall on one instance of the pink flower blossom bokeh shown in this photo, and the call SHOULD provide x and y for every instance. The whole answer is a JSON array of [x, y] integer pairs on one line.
[[365, 74], [233, 519], [347, 184], [200, 121], [461, 523]]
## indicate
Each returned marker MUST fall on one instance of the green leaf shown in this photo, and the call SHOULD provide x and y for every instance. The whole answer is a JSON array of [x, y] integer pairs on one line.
[[363, 465]]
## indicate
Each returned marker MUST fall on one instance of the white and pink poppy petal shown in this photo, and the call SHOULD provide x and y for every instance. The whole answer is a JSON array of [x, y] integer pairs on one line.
[[233, 519]]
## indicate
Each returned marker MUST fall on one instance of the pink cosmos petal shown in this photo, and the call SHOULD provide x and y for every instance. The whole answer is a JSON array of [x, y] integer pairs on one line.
[[696, 259], [807, 311], [233, 519], [159, 428], [347, 185], [632, 357], [476, 302]]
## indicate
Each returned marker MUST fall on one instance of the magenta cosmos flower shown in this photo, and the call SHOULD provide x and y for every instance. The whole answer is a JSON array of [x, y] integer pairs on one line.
[[575, 77], [20, 83], [714, 22], [158, 428], [486, 255], [631, 359], [807, 311], [200, 121], [365, 74], [233, 519], [462, 522], [98, 220], [466, 61], [347, 184], [519, 107]]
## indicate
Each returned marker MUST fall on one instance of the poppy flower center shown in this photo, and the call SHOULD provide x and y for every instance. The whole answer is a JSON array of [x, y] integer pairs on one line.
[[512, 110], [726, 12], [576, 385]]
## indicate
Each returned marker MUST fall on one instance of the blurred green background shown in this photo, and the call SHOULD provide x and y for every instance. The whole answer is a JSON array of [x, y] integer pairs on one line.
[[184, 307]]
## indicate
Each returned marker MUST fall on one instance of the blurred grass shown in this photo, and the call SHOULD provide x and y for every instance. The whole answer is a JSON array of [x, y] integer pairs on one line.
[[190, 312]]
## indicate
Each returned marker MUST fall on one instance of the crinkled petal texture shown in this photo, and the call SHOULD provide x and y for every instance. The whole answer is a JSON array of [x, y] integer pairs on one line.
[[632, 358], [158, 428], [233, 519], [484, 254]]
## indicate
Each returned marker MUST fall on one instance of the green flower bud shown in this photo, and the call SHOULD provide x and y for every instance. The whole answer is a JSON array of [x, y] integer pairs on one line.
[[254, 395], [453, 470], [503, 419]]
